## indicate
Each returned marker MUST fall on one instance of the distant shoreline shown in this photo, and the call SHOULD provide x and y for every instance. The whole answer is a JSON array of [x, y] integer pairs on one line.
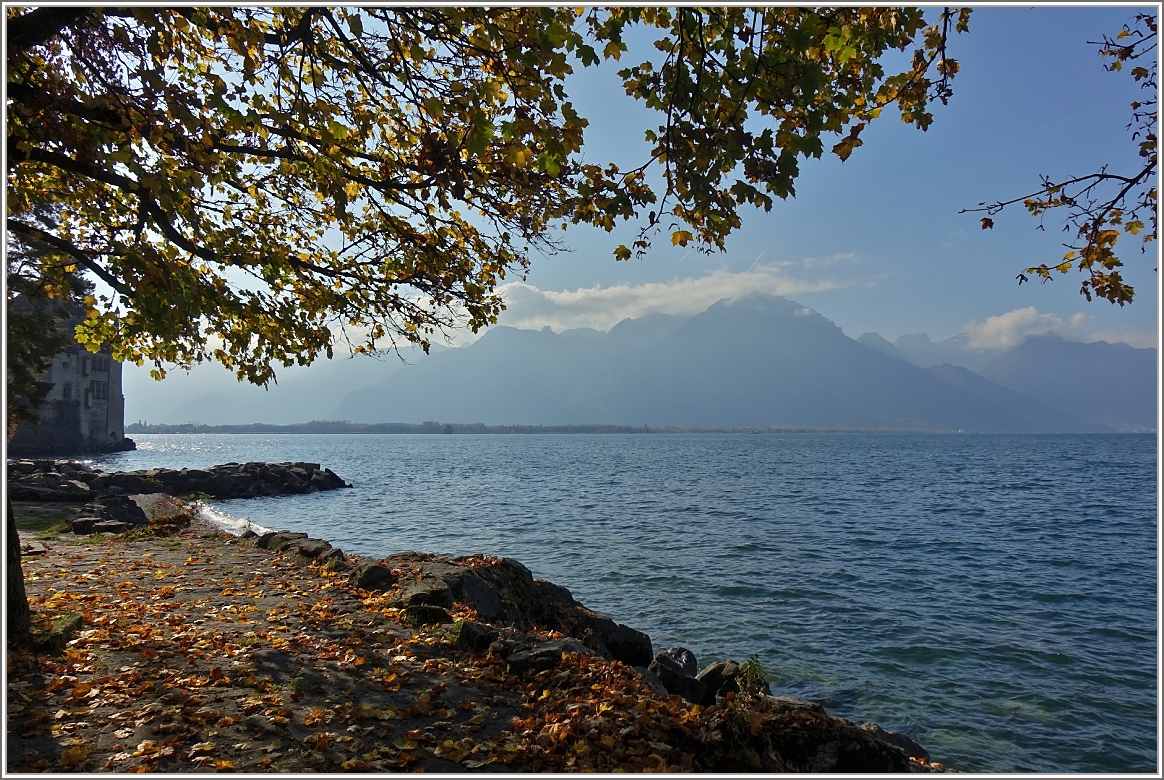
[[431, 427]]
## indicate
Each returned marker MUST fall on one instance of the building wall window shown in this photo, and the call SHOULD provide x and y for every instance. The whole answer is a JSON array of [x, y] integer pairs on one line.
[[99, 390], [67, 391], [101, 364]]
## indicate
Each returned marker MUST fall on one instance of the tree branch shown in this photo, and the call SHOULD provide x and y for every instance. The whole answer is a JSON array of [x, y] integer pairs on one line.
[[40, 25], [80, 255]]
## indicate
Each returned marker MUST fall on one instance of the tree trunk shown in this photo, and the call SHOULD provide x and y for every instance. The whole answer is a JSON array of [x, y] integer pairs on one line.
[[19, 615]]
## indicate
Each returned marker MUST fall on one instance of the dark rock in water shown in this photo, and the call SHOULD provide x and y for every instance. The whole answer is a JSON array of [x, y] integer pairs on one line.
[[623, 642], [812, 741], [719, 678], [686, 660], [372, 576], [896, 738], [675, 679], [426, 615], [476, 637]]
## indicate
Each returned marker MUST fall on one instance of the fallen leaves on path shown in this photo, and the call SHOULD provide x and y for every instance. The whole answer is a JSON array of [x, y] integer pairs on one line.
[[200, 652]]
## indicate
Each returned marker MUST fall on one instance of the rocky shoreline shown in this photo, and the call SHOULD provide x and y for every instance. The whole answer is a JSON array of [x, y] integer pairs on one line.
[[104, 495], [493, 611]]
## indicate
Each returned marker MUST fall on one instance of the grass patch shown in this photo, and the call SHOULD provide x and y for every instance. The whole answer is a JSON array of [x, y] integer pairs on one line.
[[31, 517], [51, 534]]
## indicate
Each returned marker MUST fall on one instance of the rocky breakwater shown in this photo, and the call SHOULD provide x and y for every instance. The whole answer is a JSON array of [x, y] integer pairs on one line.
[[104, 495], [513, 611]]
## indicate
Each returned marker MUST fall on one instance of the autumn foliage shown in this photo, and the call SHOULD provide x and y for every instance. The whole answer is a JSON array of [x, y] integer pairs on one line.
[[258, 186]]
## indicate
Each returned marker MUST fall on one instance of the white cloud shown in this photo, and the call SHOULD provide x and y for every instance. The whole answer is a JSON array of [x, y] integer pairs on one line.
[[833, 259], [603, 307], [1007, 330]]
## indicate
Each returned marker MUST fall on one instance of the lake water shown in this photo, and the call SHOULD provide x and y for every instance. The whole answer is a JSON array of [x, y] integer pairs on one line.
[[994, 597]]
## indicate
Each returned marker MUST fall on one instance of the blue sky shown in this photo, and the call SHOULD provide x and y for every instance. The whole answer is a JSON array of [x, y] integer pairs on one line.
[[883, 228], [876, 243]]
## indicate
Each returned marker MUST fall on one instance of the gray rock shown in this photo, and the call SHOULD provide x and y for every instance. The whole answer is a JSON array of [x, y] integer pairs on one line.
[[280, 540], [673, 677], [312, 548], [425, 615], [110, 527], [476, 637], [83, 524], [372, 576], [120, 508], [478, 594], [546, 655], [652, 682], [685, 659], [333, 557], [32, 548], [623, 643], [433, 591]]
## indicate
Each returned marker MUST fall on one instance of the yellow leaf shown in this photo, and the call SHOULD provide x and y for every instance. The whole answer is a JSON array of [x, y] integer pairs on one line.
[[73, 757], [681, 237]]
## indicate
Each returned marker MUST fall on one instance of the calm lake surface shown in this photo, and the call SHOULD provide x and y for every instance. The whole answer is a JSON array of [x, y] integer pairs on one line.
[[994, 597]]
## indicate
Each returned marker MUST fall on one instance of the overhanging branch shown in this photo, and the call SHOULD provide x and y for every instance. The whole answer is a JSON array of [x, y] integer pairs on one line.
[[81, 256]]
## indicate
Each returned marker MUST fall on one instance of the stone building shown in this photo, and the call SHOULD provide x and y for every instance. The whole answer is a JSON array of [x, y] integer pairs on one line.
[[83, 413]]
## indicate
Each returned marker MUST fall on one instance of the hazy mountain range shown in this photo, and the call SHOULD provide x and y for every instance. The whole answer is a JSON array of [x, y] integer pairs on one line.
[[754, 362], [761, 362]]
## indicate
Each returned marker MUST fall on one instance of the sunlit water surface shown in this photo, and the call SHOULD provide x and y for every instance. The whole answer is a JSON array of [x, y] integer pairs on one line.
[[994, 597]]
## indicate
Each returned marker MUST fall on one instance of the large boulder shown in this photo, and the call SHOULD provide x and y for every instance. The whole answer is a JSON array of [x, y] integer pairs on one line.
[[111, 514]]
